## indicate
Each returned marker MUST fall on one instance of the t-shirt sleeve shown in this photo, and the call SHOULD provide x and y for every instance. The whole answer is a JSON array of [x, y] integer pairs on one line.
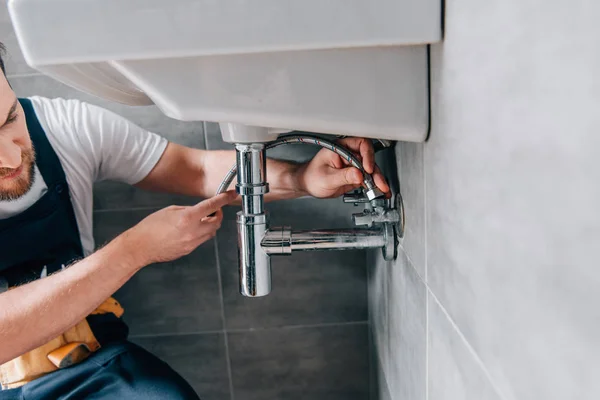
[[116, 149]]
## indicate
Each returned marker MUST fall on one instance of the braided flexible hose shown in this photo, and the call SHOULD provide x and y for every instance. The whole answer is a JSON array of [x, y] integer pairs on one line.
[[307, 139]]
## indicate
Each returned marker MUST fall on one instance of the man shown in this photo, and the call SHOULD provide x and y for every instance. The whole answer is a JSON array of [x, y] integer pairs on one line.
[[61, 335]]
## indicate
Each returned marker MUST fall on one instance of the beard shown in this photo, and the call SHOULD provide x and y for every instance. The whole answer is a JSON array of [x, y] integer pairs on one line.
[[13, 189]]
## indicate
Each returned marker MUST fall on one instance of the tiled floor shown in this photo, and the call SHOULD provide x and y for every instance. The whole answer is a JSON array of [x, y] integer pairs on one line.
[[306, 340]]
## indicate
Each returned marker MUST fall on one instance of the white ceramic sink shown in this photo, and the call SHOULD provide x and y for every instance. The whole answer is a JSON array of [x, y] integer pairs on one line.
[[350, 67]]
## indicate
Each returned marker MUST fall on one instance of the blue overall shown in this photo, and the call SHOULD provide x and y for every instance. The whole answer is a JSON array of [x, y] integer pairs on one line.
[[46, 237]]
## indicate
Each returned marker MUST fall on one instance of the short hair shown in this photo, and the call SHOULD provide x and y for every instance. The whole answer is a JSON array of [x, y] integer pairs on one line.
[[2, 50]]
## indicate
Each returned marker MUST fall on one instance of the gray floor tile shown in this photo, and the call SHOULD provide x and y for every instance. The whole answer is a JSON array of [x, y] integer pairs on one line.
[[325, 363], [308, 288], [176, 297], [200, 359], [121, 196], [453, 371]]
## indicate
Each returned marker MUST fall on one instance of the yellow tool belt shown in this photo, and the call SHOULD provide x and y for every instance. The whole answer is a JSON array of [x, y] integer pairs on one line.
[[72, 347]]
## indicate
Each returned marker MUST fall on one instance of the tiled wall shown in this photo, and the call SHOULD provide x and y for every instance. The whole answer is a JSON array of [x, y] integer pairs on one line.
[[307, 340], [495, 295]]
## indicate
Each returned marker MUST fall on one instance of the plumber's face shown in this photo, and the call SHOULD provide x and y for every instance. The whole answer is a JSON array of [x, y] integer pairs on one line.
[[17, 156]]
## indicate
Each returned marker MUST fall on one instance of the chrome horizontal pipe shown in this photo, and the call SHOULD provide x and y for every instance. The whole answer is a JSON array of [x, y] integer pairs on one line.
[[282, 241]]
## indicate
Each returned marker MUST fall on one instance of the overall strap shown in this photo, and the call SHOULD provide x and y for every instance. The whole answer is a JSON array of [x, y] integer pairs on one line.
[[46, 158]]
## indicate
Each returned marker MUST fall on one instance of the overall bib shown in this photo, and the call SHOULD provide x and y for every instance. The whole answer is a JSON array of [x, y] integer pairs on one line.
[[38, 242]]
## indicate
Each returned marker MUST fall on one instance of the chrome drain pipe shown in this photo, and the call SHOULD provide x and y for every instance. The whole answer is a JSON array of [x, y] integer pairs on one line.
[[257, 242]]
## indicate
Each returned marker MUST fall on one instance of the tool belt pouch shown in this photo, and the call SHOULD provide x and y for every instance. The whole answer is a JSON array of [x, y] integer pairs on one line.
[[70, 348]]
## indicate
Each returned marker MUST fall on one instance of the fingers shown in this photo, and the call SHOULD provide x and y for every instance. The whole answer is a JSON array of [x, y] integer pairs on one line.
[[368, 155], [214, 218], [209, 226], [213, 204], [380, 181], [365, 150]]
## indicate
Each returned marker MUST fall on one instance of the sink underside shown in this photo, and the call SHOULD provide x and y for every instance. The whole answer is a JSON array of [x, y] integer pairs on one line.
[[340, 66]]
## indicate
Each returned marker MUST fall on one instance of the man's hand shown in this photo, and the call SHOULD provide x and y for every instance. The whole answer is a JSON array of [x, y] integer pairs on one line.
[[329, 175], [176, 231]]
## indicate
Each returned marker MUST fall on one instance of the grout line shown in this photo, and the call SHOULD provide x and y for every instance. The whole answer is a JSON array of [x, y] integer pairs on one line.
[[370, 355], [205, 129], [385, 382], [291, 327], [427, 305], [425, 239], [157, 335], [149, 208], [204, 141], [247, 330], [478, 359], [108, 210], [412, 264], [225, 335], [370, 338], [25, 75]]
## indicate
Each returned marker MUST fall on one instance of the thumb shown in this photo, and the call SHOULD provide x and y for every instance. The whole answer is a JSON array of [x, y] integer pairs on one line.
[[213, 204], [348, 176]]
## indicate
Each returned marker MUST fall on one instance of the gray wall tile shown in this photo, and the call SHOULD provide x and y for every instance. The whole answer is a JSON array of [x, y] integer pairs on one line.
[[384, 392], [213, 138], [373, 368], [397, 299], [407, 297], [512, 192], [176, 297], [378, 287], [14, 62], [379, 388], [308, 288], [454, 373], [325, 363], [200, 359], [409, 157]]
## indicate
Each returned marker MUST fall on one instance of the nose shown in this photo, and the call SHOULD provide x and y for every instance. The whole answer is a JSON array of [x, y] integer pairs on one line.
[[10, 154]]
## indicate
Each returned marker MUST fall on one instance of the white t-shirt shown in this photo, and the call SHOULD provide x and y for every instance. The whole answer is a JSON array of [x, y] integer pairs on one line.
[[93, 144]]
